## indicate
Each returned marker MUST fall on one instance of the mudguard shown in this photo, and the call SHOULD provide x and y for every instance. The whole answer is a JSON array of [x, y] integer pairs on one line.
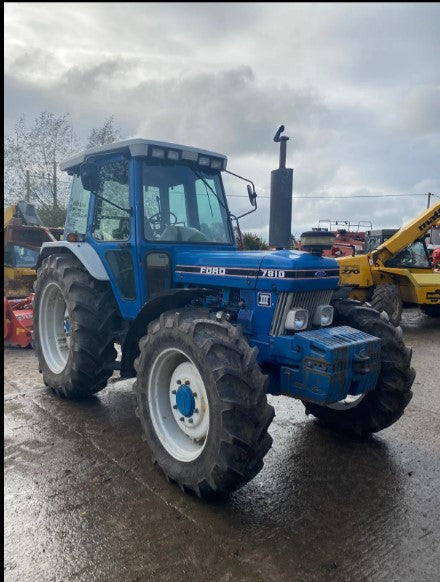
[[84, 252]]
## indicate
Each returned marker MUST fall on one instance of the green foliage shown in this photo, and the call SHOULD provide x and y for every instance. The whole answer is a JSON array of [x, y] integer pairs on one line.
[[252, 242], [51, 216]]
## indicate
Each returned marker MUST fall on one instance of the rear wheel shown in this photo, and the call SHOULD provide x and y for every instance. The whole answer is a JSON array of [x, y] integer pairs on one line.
[[380, 408], [202, 402], [74, 321], [386, 297]]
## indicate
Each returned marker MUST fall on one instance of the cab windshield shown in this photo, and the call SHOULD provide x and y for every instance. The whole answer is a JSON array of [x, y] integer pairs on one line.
[[182, 204], [435, 236], [413, 256]]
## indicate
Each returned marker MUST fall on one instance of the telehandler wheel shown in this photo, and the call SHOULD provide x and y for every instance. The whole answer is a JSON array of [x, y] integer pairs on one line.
[[202, 402], [74, 321], [380, 408], [386, 297]]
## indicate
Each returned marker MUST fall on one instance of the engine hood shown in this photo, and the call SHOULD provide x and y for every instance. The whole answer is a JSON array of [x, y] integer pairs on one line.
[[272, 270]]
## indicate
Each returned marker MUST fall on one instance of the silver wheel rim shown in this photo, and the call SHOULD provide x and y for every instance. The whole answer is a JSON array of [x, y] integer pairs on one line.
[[54, 328], [348, 402], [183, 435]]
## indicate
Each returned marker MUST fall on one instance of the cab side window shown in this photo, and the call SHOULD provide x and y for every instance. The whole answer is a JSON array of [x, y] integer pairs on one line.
[[76, 221], [109, 222]]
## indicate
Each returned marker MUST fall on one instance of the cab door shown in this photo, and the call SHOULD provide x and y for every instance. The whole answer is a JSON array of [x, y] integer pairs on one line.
[[112, 232]]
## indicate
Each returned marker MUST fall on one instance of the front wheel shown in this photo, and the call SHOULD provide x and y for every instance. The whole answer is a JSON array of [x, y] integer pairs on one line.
[[383, 406], [202, 402]]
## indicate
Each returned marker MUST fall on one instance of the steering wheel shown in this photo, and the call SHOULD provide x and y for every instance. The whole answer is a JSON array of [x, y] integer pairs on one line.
[[156, 220]]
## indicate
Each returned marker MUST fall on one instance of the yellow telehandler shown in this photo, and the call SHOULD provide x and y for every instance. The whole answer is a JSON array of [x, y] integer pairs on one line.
[[398, 271]]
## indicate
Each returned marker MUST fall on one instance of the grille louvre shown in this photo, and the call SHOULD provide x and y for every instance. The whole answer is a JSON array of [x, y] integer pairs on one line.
[[305, 300]]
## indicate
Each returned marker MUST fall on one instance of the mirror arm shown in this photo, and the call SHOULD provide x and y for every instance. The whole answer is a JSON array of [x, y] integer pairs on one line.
[[241, 178], [246, 213]]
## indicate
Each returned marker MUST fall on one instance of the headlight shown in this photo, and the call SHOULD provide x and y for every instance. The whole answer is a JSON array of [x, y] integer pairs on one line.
[[323, 315], [297, 319]]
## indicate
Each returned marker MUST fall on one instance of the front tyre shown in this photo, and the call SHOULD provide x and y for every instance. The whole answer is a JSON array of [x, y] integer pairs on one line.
[[380, 408], [75, 317], [202, 402]]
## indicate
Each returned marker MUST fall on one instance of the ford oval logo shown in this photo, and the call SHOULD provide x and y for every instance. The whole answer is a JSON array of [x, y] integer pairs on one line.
[[320, 273]]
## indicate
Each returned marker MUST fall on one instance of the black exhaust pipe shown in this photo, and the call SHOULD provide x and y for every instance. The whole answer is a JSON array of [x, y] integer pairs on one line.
[[281, 188]]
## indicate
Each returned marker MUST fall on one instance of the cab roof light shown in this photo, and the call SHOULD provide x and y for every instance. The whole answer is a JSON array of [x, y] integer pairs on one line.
[[173, 155], [157, 153], [203, 161], [216, 164], [188, 155]]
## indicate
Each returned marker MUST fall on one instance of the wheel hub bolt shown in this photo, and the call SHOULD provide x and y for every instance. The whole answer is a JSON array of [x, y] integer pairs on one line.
[[182, 419], [196, 410], [179, 382], [175, 407], [173, 391], [195, 394], [190, 420]]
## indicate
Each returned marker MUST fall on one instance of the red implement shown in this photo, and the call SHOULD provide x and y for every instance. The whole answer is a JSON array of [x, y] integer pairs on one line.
[[18, 321]]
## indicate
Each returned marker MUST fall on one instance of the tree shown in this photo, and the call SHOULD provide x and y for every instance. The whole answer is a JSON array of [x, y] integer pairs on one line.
[[108, 133], [252, 242], [31, 162]]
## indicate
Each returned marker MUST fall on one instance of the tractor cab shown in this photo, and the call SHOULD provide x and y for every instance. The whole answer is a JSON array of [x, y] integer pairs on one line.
[[149, 199]]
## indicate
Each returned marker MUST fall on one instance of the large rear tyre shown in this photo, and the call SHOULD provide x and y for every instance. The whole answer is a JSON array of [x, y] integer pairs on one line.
[[383, 406], [74, 323], [386, 297], [202, 402]]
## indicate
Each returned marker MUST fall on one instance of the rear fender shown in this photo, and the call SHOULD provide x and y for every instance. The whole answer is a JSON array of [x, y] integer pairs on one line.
[[83, 251]]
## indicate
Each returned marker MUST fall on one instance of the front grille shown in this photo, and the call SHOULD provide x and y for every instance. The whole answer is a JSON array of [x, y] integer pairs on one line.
[[305, 300]]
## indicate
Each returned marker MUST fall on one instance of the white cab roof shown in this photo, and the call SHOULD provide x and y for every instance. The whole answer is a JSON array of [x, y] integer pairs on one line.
[[136, 147]]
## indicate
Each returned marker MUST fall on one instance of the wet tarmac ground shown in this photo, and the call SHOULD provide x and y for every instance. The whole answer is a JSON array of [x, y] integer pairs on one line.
[[83, 500]]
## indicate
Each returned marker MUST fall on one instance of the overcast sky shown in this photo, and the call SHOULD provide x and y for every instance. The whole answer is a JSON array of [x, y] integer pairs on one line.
[[356, 85]]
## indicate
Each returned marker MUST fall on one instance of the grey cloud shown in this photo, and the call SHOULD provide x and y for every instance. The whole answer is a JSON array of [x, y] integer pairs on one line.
[[356, 85]]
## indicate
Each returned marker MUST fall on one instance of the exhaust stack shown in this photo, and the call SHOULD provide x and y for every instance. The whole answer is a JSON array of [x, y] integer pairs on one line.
[[281, 188]]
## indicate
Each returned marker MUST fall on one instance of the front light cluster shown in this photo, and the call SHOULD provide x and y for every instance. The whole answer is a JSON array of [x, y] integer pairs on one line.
[[298, 319], [323, 315]]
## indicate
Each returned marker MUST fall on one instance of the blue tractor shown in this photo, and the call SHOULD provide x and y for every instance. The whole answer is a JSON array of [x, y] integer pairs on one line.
[[149, 265]]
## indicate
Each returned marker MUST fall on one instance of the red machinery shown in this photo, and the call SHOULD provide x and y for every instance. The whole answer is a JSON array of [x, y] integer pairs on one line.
[[24, 234], [18, 322], [349, 239], [436, 259]]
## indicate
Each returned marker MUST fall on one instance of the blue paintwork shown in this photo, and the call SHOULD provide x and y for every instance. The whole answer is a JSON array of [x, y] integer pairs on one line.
[[325, 365], [185, 400], [257, 262]]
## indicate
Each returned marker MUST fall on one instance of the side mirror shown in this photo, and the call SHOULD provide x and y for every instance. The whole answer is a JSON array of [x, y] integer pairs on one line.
[[90, 176], [252, 196]]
